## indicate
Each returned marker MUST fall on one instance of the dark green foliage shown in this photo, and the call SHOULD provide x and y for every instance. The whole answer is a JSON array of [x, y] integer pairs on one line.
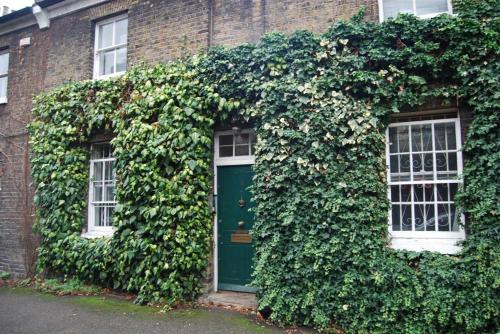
[[162, 124], [321, 105]]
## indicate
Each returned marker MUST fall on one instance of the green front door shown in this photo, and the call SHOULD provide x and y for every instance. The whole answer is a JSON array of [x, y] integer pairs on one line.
[[235, 247]]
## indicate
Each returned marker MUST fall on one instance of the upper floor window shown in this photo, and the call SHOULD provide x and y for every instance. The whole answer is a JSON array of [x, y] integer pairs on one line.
[[111, 47], [425, 163], [4, 72], [420, 8], [101, 189]]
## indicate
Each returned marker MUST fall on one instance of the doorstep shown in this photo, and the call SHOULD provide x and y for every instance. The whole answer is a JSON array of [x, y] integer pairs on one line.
[[230, 299]]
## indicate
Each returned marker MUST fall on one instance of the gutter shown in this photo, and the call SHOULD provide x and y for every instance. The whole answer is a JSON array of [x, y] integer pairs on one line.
[[41, 13], [15, 15]]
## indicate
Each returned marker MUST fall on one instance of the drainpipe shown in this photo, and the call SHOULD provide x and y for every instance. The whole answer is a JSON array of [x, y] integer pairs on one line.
[[210, 22]]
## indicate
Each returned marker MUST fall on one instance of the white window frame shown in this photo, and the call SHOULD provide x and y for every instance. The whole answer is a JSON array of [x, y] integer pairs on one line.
[[94, 231], [98, 51], [234, 159], [3, 99], [427, 16], [438, 241]]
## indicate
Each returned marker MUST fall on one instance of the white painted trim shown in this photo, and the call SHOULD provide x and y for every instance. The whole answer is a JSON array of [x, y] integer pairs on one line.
[[41, 16], [21, 23], [444, 246], [97, 51], [98, 234], [71, 6], [427, 16], [443, 242], [92, 230], [230, 161], [3, 99]]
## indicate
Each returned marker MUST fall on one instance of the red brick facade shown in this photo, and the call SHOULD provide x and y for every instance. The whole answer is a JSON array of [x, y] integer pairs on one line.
[[158, 31]]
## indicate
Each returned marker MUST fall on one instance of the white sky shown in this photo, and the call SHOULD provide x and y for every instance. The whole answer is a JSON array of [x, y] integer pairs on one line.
[[16, 4]]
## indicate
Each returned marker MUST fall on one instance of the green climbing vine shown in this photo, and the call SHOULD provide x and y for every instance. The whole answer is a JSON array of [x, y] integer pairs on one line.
[[320, 105]]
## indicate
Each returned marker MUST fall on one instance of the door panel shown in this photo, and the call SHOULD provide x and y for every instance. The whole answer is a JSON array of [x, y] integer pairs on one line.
[[235, 248]]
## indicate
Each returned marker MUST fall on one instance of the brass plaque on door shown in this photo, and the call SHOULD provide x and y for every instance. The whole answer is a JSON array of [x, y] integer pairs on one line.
[[241, 238]]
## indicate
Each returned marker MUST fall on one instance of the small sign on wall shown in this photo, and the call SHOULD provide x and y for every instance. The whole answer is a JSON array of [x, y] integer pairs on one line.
[[26, 41]]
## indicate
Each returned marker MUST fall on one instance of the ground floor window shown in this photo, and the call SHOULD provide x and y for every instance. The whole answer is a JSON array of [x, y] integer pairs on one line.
[[101, 189], [424, 167]]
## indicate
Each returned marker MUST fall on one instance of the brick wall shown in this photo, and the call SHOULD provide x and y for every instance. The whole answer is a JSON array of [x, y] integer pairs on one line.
[[239, 21], [159, 30], [26, 77]]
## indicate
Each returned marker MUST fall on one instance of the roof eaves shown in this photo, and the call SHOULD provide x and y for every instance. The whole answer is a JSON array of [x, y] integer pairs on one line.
[[47, 3], [15, 15]]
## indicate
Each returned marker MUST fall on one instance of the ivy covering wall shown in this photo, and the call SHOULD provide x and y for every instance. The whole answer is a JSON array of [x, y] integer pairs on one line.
[[321, 105]]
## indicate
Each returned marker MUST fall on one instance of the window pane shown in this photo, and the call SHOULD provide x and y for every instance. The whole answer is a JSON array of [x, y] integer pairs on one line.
[[404, 164], [451, 136], [242, 139], [443, 217], [422, 167], [97, 192], [421, 138], [453, 190], [394, 193], [394, 164], [442, 192], [109, 166], [445, 136], [429, 192], [426, 7], [107, 62], [441, 162], [430, 221], [98, 172], [121, 31], [396, 218], [406, 217], [105, 35], [452, 160], [109, 215], [403, 139], [121, 60], [419, 217], [226, 140], [241, 150], [3, 87], [109, 192], [418, 193], [225, 151], [393, 140], [4, 63], [405, 193], [99, 216], [393, 7]]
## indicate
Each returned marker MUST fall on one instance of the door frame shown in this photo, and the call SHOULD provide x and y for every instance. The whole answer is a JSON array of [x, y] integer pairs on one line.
[[229, 161]]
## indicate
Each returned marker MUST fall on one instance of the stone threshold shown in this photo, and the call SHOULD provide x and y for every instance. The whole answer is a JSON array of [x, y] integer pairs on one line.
[[232, 299]]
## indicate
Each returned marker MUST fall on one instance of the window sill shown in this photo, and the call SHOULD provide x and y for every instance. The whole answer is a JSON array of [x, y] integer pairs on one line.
[[3, 100], [97, 234], [109, 76], [439, 245]]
